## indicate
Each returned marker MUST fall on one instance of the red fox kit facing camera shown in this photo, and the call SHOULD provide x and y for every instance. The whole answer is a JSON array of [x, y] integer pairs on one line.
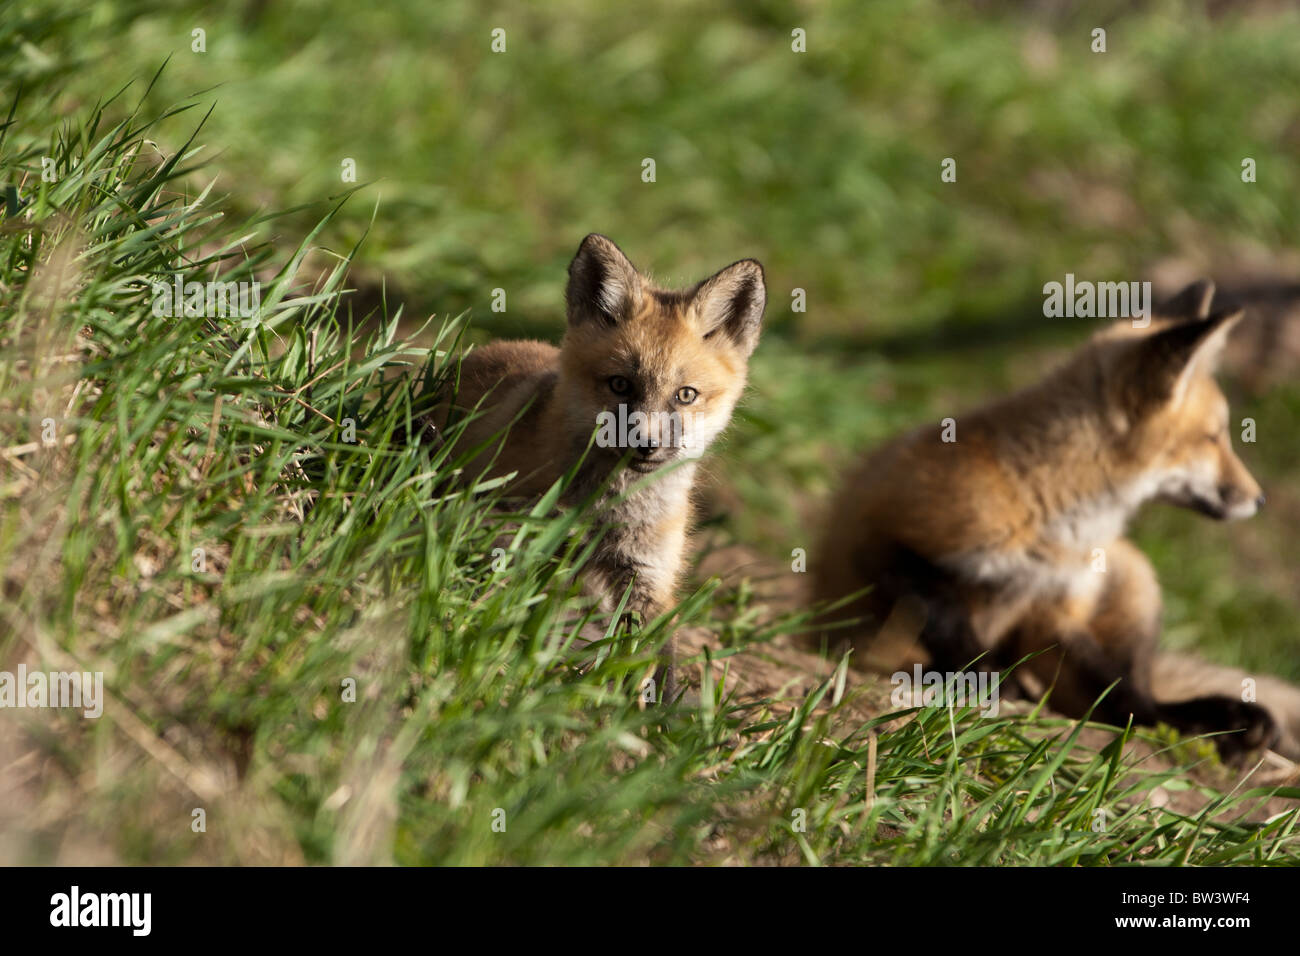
[[654, 374], [1006, 539]]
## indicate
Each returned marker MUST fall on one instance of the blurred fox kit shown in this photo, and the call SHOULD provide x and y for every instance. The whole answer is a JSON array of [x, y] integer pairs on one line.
[[1003, 537], [671, 364]]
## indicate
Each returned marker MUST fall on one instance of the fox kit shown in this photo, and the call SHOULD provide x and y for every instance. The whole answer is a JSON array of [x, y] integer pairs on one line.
[[1006, 539], [654, 375]]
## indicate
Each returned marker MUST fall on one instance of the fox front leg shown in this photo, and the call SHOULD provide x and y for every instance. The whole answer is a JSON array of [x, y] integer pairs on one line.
[[642, 606], [647, 599], [647, 608], [666, 672], [648, 587]]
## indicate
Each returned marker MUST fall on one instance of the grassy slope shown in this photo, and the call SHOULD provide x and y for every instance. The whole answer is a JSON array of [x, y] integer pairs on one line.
[[330, 560]]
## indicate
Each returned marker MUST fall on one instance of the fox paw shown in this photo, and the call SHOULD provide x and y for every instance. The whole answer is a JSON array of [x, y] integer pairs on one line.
[[1241, 727], [1257, 730]]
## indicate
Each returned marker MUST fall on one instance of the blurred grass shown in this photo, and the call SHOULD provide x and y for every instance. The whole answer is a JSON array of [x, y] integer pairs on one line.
[[922, 298], [825, 164]]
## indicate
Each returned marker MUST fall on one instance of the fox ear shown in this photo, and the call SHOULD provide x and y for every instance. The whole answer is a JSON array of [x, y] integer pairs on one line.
[[730, 304], [1192, 303], [603, 285], [1168, 360]]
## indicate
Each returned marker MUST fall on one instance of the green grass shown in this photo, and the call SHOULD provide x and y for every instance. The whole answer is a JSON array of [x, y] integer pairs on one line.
[[824, 165], [326, 560]]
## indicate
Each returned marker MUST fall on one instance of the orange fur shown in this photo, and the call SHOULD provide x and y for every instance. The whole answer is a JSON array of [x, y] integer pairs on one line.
[[629, 343], [1008, 540]]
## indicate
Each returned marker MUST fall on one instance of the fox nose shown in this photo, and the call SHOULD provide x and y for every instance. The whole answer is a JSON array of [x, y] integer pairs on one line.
[[648, 449], [1259, 502]]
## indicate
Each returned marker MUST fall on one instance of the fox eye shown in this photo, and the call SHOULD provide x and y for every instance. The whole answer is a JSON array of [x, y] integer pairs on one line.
[[686, 394], [619, 385]]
